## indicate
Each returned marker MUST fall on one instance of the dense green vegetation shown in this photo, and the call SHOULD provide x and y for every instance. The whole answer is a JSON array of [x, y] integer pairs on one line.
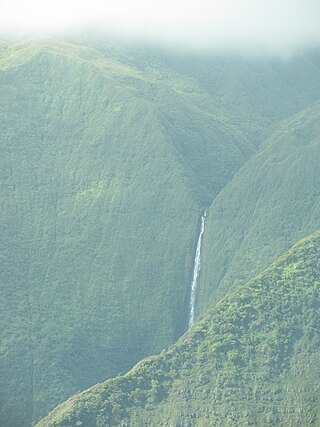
[[253, 359], [270, 204], [109, 154]]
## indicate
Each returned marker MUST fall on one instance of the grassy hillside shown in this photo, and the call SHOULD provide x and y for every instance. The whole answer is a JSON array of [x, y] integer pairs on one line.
[[252, 360], [104, 172], [271, 203]]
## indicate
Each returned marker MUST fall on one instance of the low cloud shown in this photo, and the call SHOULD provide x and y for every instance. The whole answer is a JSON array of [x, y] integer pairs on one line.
[[272, 26]]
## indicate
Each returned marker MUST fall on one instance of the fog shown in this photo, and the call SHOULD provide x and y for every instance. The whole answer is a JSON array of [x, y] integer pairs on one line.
[[275, 26]]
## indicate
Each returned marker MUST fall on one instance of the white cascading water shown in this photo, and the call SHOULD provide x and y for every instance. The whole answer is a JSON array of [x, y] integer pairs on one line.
[[196, 271]]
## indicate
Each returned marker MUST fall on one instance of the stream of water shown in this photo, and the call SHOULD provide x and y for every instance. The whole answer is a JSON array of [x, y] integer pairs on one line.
[[196, 271]]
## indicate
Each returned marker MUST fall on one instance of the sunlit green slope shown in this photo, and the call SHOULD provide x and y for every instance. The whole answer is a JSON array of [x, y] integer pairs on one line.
[[271, 203], [104, 173], [252, 360]]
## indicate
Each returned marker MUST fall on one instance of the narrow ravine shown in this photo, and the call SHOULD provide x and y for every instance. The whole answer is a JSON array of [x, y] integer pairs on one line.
[[196, 271]]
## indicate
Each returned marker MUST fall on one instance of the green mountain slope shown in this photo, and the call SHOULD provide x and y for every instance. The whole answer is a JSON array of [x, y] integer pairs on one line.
[[253, 359], [256, 92], [104, 172], [108, 157], [271, 203]]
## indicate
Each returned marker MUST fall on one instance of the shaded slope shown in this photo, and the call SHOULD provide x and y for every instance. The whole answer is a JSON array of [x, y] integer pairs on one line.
[[272, 202], [104, 171], [253, 359], [256, 92]]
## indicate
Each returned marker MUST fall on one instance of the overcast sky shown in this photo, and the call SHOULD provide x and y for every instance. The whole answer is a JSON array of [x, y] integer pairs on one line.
[[266, 25]]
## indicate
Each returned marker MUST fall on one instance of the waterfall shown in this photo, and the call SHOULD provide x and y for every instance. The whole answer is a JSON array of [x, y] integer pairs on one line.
[[196, 271]]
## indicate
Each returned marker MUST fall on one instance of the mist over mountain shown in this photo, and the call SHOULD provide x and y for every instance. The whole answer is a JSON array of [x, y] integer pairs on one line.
[[260, 27]]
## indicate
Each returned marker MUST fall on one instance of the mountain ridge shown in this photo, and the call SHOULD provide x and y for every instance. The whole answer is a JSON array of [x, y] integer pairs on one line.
[[223, 370], [271, 202]]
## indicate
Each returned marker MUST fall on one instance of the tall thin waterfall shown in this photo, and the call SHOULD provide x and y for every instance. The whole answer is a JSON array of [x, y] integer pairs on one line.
[[196, 271]]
